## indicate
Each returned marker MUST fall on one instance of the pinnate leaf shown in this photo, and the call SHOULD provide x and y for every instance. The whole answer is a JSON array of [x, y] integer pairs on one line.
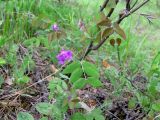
[[96, 114], [90, 69], [76, 75], [85, 63], [44, 108], [71, 67], [1, 81], [91, 72], [24, 116], [95, 82], [2, 61], [156, 106], [44, 118], [79, 84], [78, 116]]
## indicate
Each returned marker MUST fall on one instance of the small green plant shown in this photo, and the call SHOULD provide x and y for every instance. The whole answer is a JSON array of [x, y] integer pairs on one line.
[[2, 61], [93, 115], [83, 73], [24, 116], [49, 110]]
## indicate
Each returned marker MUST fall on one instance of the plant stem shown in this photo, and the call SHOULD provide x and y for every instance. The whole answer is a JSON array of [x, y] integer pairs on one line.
[[91, 47], [119, 58], [132, 11], [87, 50]]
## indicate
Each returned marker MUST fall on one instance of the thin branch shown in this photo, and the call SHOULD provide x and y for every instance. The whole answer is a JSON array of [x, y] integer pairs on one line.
[[100, 43], [112, 10], [134, 4], [128, 7], [119, 58], [104, 5], [132, 11], [118, 21], [87, 50]]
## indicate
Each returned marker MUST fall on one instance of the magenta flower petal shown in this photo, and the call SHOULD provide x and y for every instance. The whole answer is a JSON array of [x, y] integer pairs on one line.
[[55, 27], [64, 56]]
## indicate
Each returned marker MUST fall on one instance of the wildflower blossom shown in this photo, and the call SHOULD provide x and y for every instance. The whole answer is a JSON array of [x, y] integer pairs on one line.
[[64, 56], [55, 27]]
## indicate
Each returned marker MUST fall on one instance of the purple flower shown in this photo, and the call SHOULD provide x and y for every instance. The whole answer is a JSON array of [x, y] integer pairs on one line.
[[64, 56], [55, 27]]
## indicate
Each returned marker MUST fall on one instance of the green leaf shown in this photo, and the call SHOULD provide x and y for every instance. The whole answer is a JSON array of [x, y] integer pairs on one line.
[[119, 30], [71, 67], [85, 63], [111, 4], [95, 115], [23, 80], [2, 61], [79, 84], [145, 100], [44, 108], [63, 76], [1, 22], [57, 113], [78, 116], [156, 60], [152, 87], [24, 116], [76, 75], [59, 89], [44, 118], [89, 117], [27, 63], [99, 117], [2, 41], [1, 81], [158, 87], [95, 82], [93, 30], [155, 64], [90, 69], [156, 107], [52, 85], [96, 112], [132, 103]]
